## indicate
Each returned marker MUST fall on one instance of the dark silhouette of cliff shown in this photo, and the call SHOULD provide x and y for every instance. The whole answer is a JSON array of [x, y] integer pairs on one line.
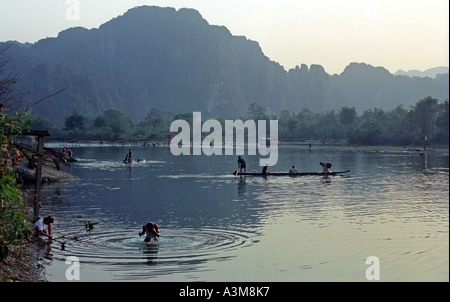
[[153, 57]]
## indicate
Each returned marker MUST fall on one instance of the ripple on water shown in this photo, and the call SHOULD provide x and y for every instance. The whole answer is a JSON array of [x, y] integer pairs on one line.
[[178, 250], [113, 165]]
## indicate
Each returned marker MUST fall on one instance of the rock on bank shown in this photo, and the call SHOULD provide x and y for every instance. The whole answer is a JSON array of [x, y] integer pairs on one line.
[[28, 175]]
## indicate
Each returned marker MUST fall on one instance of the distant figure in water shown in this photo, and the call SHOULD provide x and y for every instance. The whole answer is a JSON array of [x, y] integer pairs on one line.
[[325, 166], [151, 232], [129, 157], [293, 170], [264, 170]]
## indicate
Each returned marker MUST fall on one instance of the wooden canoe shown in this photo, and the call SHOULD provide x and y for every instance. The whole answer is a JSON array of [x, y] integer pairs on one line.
[[290, 174]]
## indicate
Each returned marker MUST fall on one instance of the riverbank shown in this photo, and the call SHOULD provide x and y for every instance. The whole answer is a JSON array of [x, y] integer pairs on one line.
[[22, 265]]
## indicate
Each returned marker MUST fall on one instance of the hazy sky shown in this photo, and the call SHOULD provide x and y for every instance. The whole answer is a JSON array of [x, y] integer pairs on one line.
[[395, 34]]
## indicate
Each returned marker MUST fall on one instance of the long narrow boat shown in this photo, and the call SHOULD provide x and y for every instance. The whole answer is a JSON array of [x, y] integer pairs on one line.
[[236, 173]]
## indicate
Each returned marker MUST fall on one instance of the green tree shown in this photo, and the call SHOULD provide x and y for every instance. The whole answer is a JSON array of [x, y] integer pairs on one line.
[[100, 122], [292, 126], [154, 126], [370, 133], [347, 118], [399, 126], [327, 126], [184, 116], [347, 115], [75, 121], [119, 123], [442, 123], [283, 121], [153, 119], [256, 112], [425, 114], [305, 123]]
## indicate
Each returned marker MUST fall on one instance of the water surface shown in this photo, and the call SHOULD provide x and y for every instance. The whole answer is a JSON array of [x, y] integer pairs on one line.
[[219, 227]]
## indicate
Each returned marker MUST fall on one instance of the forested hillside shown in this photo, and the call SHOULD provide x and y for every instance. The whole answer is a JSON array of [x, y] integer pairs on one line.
[[175, 61]]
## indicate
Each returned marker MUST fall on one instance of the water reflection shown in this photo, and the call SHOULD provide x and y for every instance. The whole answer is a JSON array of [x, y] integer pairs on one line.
[[241, 186], [150, 253], [44, 248], [326, 180]]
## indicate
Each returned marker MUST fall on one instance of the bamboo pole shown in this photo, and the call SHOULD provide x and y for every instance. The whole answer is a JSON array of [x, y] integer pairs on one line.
[[38, 180]]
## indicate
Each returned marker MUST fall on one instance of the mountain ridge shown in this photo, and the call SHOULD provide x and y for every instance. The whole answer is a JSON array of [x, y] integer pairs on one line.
[[430, 72], [173, 60]]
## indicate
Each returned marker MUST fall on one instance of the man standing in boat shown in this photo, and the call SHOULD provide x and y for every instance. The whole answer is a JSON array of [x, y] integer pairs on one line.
[[242, 165], [325, 166]]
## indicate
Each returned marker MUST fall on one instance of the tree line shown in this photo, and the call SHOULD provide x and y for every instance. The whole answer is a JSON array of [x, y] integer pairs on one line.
[[427, 122]]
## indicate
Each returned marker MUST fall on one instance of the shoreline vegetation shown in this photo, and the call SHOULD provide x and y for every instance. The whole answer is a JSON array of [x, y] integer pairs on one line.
[[426, 123]]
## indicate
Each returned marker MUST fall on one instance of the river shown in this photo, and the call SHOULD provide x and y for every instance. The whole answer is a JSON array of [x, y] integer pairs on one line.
[[392, 207]]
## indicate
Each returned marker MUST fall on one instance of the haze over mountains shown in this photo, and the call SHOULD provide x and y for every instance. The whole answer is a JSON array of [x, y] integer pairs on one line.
[[432, 72], [175, 61]]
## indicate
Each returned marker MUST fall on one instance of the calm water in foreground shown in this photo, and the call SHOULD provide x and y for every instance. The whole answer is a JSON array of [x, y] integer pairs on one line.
[[218, 227]]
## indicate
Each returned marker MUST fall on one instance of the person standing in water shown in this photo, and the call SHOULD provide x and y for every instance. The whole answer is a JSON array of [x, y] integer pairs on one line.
[[293, 170], [129, 157], [264, 170], [151, 232]]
